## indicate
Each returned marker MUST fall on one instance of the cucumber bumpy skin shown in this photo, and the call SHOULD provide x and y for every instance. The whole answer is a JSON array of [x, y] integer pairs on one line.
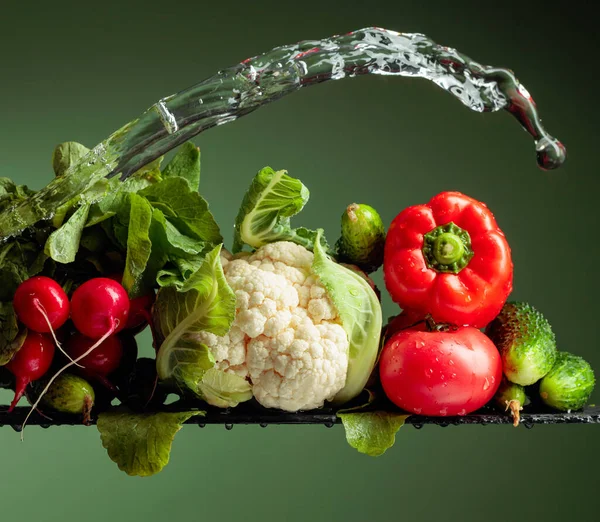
[[569, 384], [362, 238], [526, 342], [511, 396]]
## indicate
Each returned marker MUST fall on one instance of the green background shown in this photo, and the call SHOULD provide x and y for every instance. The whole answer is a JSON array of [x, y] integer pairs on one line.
[[73, 72]]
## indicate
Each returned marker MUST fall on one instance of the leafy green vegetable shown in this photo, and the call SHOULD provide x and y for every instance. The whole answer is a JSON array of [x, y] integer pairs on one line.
[[186, 209], [11, 193], [19, 259], [360, 311], [140, 444], [139, 246], [372, 432], [66, 155], [224, 389], [11, 338], [264, 216], [63, 243], [185, 164], [204, 303]]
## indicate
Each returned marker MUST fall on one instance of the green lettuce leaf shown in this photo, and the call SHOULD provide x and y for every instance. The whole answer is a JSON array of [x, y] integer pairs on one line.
[[140, 443], [67, 154], [185, 164], [204, 303], [264, 216], [185, 209], [372, 432], [19, 260], [139, 246], [11, 337], [11, 193], [63, 243], [360, 312]]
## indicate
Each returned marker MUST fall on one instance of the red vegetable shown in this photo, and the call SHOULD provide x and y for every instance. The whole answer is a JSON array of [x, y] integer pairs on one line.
[[41, 304], [449, 259], [102, 361], [139, 307], [99, 306], [30, 363], [440, 373]]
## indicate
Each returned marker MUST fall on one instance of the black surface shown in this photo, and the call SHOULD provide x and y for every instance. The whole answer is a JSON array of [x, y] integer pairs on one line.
[[327, 417]]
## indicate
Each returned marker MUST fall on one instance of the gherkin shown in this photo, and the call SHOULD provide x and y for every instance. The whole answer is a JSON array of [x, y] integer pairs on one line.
[[526, 342], [362, 237], [70, 394], [511, 396], [569, 383]]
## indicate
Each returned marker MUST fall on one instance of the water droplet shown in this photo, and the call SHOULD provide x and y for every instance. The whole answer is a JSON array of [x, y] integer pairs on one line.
[[329, 424], [462, 412], [417, 410], [527, 424], [486, 384], [417, 426], [451, 363], [17, 427], [201, 425], [444, 412], [228, 427], [263, 424]]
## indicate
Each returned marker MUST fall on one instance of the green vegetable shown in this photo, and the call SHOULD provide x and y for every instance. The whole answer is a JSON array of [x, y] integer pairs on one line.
[[363, 237], [11, 193], [11, 337], [511, 396], [360, 311], [140, 444], [66, 155], [63, 243], [373, 432], [185, 164], [70, 394], [569, 383], [526, 343], [204, 303], [264, 216]]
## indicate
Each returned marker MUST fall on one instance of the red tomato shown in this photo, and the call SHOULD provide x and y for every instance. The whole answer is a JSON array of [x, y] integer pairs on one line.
[[440, 373]]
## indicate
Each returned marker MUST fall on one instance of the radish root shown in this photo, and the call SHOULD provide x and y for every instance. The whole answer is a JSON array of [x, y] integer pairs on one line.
[[40, 308], [114, 324]]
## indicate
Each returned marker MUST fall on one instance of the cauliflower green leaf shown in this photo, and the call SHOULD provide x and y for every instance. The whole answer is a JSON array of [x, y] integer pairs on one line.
[[204, 303], [360, 311], [264, 216], [140, 443], [372, 432]]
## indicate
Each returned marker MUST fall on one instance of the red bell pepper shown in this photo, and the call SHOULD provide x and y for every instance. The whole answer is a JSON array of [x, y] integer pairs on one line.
[[450, 260]]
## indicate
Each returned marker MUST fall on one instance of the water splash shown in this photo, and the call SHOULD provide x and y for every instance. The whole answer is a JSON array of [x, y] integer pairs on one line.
[[257, 81]]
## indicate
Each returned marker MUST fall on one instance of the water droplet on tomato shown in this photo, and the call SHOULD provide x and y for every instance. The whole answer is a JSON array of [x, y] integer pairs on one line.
[[462, 412], [486, 384], [418, 410], [451, 363], [444, 412]]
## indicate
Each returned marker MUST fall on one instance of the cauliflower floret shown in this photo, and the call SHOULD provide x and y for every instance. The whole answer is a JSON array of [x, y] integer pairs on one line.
[[287, 338]]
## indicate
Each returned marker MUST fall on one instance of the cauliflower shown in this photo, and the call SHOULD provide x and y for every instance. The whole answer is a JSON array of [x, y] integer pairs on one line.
[[287, 339]]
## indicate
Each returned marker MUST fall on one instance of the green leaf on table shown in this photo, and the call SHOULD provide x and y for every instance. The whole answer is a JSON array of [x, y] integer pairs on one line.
[[360, 312], [264, 216], [66, 155], [11, 337], [372, 432], [186, 209], [63, 243], [185, 164], [140, 443], [139, 246]]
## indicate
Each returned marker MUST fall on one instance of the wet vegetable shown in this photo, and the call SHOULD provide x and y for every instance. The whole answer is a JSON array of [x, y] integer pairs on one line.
[[526, 342], [569, 383], [440, 373], [70, 394], [511, 396], [362, 239]]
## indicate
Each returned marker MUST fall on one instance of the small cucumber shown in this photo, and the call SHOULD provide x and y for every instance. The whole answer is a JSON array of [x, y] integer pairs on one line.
[[511, 396], [362, 239], [569, 384], [526, 343], [70, 394]]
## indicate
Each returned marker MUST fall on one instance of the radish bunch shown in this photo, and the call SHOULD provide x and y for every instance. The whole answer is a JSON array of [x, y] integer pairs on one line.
[[98, 309]]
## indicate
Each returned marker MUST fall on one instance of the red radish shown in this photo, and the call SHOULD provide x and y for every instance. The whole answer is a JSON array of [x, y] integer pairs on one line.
[[41, 304], [98, 306], [103, 360], [30, 363]]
